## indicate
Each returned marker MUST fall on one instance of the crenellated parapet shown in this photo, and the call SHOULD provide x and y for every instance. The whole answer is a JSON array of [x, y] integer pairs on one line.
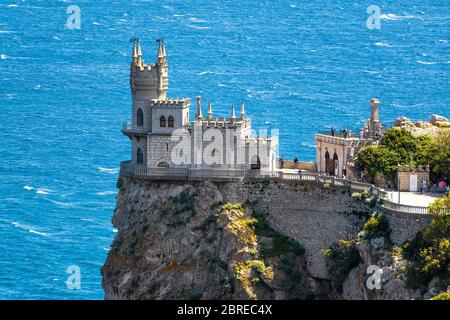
[[171, 103]]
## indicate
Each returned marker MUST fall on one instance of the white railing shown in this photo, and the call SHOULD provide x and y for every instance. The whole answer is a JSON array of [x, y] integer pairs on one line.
[[387, 204], [127, 168]]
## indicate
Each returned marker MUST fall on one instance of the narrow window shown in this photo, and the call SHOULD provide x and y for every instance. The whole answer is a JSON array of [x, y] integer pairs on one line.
[[140, 156], [162, 122], [140, 118], [170, 122]]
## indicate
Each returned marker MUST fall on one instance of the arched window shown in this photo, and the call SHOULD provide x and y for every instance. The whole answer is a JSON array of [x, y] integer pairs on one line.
[[140, 156], [162, 121], [170, 122], [140, 118]]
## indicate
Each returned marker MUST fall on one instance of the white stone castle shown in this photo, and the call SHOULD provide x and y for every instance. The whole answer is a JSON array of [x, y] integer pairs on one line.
[[163, 136]]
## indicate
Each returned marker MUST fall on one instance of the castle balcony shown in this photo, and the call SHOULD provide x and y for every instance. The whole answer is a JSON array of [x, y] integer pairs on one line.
[[338, 138], [128, 129]]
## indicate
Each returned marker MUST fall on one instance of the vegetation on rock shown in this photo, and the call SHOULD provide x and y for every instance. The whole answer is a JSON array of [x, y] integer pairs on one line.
[[342, 257], [399, 146], [429, 251], [377, 226]]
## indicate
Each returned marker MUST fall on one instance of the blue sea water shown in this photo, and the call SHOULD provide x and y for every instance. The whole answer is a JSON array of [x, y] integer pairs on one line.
[[302, 66]]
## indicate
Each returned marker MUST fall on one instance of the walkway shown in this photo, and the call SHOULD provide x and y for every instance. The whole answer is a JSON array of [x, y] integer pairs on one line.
[[413, 198], [410, 205]]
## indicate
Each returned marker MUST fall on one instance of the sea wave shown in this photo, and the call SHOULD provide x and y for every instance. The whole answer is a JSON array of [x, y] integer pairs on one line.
[[64, 204], [198, 27], [39, 233], [392, 16], [27, 228], [105, 193], [195, 20], [426, 62], [109, 170], [382, 44], [43, 191], [28, 188]]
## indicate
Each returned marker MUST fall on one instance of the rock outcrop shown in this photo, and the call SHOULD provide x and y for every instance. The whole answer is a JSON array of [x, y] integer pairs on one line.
[[240, 240]]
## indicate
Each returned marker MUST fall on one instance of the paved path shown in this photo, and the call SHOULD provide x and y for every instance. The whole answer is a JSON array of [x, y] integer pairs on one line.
[[414, 198]]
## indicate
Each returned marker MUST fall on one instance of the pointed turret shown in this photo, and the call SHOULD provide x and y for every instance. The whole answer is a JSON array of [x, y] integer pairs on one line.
[[162, 58], [140, 62], [233, 113], [134, 54], [209, 110], [198, 113], [242, 110]]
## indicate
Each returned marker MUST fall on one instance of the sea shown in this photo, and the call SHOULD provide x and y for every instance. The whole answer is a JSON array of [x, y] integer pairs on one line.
[[301, 66]]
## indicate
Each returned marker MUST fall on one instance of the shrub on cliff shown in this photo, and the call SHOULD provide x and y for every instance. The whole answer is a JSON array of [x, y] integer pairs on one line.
[[341, 258], [442, 296], [377, 226], [429, 251]]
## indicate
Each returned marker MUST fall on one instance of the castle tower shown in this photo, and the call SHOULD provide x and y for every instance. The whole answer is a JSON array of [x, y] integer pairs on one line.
[[374, 125], [148, 81]]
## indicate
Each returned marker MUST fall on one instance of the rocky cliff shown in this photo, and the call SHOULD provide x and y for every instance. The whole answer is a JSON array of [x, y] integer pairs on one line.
[[246, 240]]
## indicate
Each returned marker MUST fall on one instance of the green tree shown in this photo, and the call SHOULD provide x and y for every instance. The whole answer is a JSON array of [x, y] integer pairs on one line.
[[440, 162], [398, 146], [429, 251]]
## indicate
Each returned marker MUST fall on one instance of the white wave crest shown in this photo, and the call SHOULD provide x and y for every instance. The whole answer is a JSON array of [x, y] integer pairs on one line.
[[43, 191], [426, 62], [392, 16], [28, 188], [27, 228], [39, 233], [109, 170], [382, 44], [105, 193]]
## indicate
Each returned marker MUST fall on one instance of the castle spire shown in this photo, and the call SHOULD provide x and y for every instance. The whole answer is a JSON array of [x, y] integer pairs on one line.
[[161, 51], [198, 114], [242, 109], [209, 110], [140, 62], [233, 113], [134, 54]]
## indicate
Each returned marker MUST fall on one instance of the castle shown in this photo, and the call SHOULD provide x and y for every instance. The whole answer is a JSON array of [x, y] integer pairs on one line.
[[163, 136]]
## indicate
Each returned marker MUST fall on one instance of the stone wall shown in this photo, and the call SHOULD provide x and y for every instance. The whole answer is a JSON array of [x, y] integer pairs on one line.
[[314, 217], [404, 226], [306, 212]]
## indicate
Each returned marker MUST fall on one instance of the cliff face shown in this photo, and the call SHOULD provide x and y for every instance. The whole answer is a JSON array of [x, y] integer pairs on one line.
[[209, 240]]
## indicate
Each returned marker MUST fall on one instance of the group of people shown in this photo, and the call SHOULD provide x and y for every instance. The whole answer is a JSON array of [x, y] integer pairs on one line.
[[345, 132]]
